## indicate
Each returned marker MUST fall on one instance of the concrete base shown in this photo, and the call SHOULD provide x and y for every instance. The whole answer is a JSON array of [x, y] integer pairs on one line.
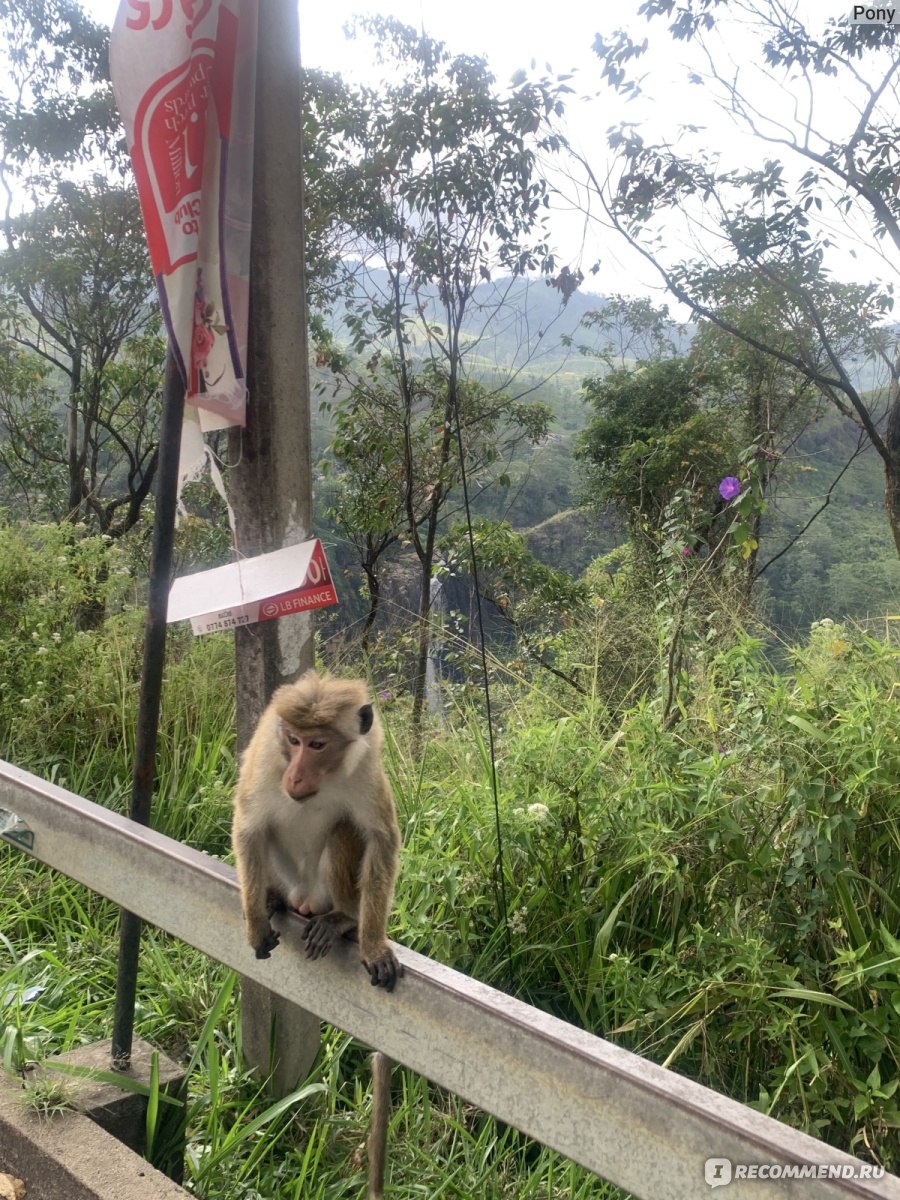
[[70, 1156], [122, 1114], [279, 1039]]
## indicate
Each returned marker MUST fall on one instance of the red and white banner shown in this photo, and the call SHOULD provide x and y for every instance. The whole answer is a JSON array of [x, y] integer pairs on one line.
[[184, 75]]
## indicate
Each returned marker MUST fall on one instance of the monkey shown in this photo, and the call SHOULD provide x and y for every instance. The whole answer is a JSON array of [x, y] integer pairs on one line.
[[315, 828]]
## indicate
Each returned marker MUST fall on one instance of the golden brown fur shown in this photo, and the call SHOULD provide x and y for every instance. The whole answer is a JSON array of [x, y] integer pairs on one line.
[[321, 702], [315, 828]]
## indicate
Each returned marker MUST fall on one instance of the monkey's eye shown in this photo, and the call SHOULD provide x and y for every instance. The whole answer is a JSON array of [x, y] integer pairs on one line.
[[293, 740], [316, 744]]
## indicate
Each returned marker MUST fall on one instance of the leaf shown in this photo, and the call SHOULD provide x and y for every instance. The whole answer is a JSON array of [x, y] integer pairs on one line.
[[806, 726], [814, 996], [125, 1082], [152, 1114]]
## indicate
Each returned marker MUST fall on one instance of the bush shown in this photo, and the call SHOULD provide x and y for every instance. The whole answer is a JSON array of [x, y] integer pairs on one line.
[[718, 892]]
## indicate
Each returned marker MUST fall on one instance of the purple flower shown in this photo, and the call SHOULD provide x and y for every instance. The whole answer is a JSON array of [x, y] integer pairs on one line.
[[729, 487], [686, 552]]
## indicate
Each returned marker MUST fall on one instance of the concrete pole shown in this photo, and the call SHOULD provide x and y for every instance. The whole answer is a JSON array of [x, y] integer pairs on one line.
[[270, 485]]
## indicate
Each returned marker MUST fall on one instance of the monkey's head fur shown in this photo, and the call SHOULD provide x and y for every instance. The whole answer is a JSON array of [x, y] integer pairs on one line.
[[323, 702]]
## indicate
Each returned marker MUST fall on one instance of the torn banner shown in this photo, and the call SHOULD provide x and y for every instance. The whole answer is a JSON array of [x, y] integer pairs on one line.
[[184, 73]]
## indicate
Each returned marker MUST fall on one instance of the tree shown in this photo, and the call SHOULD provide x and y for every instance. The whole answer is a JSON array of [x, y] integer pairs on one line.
[[670, 424], [452, 197], [828, 180], [397, 471], [658, 429], [532, 600], [76, 292], [75, 284], [57, 108]]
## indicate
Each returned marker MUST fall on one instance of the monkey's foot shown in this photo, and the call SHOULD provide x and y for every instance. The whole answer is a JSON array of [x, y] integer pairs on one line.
[[384, 970], [265, 947], [321, 933]]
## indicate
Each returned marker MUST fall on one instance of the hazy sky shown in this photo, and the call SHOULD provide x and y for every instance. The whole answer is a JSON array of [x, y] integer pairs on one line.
[[508, 32], [513, 34]]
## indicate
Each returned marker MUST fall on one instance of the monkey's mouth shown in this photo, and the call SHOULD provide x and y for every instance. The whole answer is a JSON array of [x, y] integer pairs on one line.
[[301, 796]]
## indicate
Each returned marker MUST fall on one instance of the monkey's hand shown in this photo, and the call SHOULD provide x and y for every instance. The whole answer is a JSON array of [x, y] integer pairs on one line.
[[267, 944], [321, 933], [384, 970]]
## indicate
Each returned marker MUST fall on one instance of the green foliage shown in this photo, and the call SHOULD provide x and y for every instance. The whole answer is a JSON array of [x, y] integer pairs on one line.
[[723, 896], [62, 108], [47, 1097], [76, 288], [629, 330], [443, 190], [32, 444], [68, 695], [718, 894], [766, 232], [536, 602], [843, 564], [448, 145], [79, 443], [391, 452], [657, 428], [53, 678]]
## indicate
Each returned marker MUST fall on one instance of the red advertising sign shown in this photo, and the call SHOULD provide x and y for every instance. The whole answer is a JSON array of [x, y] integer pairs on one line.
[[184, 76], [291, 580]]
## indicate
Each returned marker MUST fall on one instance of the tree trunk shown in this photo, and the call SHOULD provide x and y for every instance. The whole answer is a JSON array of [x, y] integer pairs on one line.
[[373, 583], [418, 705], [91, 609], [892, 460], [74, 462]]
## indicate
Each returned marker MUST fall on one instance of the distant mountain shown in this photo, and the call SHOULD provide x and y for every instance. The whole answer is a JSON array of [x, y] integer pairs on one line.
[[511, 324]]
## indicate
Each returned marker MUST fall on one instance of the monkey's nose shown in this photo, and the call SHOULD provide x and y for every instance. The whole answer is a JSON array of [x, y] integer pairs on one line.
[[300, 796]]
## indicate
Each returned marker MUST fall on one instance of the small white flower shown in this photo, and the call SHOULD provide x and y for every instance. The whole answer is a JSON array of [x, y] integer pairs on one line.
[[61, 558], [42, 650], [57, 637], [517, 922], [540, 812]]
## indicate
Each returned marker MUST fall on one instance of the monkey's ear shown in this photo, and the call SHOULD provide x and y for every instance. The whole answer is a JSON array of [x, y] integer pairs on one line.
[[366, 717]]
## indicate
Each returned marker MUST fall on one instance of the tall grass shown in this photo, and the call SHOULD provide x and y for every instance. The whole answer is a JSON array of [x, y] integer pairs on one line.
[[721, 895]]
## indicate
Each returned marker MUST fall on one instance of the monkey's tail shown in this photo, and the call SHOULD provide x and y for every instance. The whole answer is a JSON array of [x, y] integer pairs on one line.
[[378, 1126]]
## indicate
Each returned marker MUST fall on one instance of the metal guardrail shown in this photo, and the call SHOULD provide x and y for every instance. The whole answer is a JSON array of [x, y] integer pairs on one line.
[[652, 1132]]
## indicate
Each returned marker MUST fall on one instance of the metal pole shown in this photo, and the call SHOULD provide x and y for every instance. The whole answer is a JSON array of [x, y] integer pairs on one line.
[[151, 689]]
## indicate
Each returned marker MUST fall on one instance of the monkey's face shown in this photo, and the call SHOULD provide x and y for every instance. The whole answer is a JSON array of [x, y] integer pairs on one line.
[[311, 755]]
